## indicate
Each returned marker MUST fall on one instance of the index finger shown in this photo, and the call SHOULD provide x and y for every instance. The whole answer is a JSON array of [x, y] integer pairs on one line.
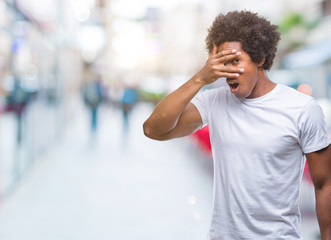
[[226, 52]]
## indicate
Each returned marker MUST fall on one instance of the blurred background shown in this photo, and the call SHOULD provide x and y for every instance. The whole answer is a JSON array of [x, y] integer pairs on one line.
[[78, 79]]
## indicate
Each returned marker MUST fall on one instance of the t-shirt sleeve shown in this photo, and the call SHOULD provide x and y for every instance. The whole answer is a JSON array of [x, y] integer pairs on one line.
[[312, 128], [200, 101]]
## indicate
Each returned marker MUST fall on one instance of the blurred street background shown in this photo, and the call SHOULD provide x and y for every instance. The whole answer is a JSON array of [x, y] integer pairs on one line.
[[77, 80]]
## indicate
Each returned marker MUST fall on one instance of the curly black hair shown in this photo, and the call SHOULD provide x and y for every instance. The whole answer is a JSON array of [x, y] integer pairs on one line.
[[258, 37]]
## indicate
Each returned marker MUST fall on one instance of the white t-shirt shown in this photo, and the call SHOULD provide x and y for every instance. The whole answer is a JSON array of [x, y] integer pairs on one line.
[[258, 148]]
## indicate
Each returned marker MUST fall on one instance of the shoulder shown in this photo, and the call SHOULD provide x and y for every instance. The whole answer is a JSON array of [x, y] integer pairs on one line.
[[293, 92], [213, 93], [293, 97], [207, 98]]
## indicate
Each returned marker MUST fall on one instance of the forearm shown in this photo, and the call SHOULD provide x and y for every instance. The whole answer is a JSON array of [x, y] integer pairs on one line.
[[175, 108], [323, 210], [166, 114]]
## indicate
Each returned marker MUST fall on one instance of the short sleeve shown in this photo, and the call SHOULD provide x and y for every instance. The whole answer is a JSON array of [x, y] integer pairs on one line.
[[200, 101], [312, 128]]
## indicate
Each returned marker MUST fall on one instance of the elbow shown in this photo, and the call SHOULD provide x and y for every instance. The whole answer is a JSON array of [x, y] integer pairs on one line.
[[149, 132]]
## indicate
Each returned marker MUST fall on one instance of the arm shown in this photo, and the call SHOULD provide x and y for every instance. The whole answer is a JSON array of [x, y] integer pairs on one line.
[[320, 170], [175, 116]]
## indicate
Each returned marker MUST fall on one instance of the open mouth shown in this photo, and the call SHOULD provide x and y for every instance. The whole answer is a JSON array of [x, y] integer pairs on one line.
[[233, 85]]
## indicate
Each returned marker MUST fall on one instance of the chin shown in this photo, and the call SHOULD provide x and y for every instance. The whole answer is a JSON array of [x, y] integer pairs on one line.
[[241, 95]]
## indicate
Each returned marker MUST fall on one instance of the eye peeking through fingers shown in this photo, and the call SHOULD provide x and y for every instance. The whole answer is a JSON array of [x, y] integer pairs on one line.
[[235, 61], [232, 62]]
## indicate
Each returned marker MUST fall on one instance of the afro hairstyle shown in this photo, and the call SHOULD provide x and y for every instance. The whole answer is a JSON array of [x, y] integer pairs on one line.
[[258, 37]]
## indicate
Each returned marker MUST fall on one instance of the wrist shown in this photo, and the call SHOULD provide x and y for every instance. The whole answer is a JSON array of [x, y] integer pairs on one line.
[[198, 80]]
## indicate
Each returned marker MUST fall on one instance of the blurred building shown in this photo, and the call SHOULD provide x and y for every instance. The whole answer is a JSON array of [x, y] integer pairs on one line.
[[39, 68], [310, 61], [46, 44]]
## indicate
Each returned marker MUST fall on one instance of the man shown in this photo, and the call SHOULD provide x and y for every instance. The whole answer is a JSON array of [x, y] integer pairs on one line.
[[260, 134]]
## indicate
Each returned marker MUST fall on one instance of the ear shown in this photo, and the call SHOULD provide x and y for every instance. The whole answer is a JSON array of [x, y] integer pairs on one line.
[[260, 64]]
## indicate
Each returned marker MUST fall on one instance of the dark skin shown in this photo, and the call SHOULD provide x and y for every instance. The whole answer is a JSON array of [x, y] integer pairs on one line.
[[320, 170], [176, 117]]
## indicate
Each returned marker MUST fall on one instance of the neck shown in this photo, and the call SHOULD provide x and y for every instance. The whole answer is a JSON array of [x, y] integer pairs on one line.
[[263, 85], [265, 82]]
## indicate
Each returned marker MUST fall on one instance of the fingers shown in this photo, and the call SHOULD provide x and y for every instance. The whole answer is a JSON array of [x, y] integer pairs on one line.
[[228, 75], [227, 72], [231, 69], [226, 52], [217, 65], [225, 56]]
